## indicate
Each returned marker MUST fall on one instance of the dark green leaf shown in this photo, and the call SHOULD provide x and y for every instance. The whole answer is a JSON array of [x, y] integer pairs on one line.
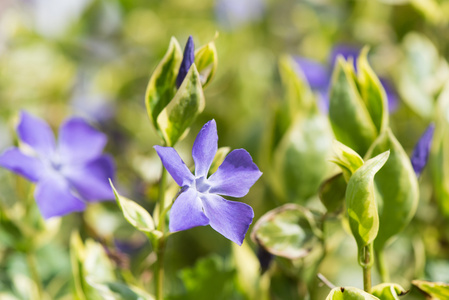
[[398, 190], [162, 88], [350, 119], [332, 193], [178, 115], [372, 92]]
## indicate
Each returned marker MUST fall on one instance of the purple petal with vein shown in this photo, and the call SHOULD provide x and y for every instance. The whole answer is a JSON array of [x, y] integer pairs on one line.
[[235, 176], [317, 75], [230, 218], [54, 198], [187, 61], [79, 142], [421, 151], [174, 165], [37, 134], [204, 148], [91, 181], [24, 165], [187, 212]]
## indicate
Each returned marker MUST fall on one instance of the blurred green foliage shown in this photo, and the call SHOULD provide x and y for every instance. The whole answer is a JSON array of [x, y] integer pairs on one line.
[[94, 58]]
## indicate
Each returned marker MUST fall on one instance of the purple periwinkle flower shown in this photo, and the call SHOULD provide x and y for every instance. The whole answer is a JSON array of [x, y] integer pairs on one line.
[[187, 61], [200, 203], [421, 152], [68, 174], [319, 76]]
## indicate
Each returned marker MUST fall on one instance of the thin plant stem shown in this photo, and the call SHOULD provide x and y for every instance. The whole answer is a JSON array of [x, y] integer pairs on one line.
[[160, 246], [381, 266], [31, 261], [367, 268]]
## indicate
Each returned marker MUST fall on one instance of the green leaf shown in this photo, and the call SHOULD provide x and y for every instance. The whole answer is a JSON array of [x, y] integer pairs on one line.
[[289, 231], [300, 160], [162, 85], [350, 118], [439, 159], [422, 73], [82, 290], [297, 91], [372, 92], [118, 290], [206, 61], [135, 214], [178, 115], [332, 193], [349, 293], [346, 158], [435, 290], [397, 188], [361, 203], [208, 279], [388, 291], [218, 159]]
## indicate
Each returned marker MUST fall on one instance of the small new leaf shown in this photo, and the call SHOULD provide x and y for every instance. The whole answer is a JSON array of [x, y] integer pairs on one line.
[[346, 158], [289, 231], [135, 214], [388, 291], [206, 60], [372, 92], [349, 293], [360, 201]]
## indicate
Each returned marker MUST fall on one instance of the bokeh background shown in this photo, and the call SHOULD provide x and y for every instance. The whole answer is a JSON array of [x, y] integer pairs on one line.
[[93, 58]]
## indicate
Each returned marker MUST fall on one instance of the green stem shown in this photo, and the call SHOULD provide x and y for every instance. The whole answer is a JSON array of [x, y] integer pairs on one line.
[[31, 261], [367, 263], [160, 246], [381, 266]]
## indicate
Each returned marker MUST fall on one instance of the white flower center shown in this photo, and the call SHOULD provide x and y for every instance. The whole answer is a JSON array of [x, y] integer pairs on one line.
[[201, 184]]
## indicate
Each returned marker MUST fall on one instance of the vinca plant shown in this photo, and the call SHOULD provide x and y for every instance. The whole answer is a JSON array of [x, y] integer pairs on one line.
[[267, 150]]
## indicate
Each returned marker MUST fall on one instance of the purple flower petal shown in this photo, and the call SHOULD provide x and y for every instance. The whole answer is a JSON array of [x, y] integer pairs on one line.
[[230, 218], [79, 142], [187, 61], [392, 97], [54, 198], [204, 148], [317, 75], [187, 212], [235, 176], [91, 181], [24, 165], [347, 51], [37, 134], [421, 151], [174, 165]]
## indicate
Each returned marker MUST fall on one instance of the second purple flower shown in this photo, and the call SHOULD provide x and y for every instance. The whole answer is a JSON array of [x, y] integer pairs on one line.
[[200, 203]]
